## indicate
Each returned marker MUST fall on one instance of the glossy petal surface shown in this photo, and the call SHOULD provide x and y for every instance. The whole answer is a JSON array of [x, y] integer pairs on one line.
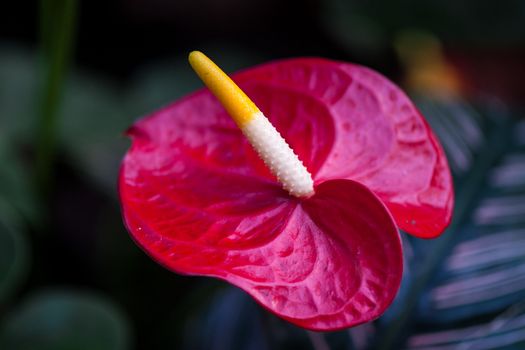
[[347, 121], [329, 262], [197, 198]]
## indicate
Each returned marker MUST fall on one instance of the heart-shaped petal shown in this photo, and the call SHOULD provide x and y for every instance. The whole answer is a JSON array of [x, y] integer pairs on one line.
[[328, 262], [197, 198]]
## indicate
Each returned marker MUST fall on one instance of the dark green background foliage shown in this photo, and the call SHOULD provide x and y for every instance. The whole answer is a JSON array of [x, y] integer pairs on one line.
[[75, 74]]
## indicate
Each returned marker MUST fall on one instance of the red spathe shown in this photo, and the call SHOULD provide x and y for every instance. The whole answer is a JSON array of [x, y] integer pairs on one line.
[[197, 198]]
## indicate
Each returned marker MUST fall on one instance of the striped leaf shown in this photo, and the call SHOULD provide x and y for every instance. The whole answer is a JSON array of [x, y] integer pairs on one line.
[[465, 288]]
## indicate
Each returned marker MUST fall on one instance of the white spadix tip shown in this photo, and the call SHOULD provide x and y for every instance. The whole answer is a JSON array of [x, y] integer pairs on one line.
[[265, 139], [278, 156]]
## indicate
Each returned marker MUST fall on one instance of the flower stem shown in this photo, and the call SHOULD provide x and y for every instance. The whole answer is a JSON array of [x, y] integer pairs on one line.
[[57, 27]]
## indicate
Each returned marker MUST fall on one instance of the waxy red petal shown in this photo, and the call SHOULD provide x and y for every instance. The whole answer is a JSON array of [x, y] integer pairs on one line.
[[347, 121], [197, 198], [328, 262]]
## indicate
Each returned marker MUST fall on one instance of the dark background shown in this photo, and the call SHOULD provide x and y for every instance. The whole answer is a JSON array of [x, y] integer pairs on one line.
[[70, 276]]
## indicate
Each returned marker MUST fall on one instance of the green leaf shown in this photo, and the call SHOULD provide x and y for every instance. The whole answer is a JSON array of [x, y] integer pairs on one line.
[[57, 32], [63, 320], [13, 253], [92, 126], [18, 87], [15, 182]]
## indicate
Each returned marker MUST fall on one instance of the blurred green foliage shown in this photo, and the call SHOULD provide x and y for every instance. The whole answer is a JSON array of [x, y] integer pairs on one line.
[[71, 278], [62, 320], [14, 253], [369, 27]]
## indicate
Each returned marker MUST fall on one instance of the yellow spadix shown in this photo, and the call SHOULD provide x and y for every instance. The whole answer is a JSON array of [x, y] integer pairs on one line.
[[262, 135]]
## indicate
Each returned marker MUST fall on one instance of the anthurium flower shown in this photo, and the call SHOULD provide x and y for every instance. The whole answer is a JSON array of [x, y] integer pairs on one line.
[[295, 197]]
